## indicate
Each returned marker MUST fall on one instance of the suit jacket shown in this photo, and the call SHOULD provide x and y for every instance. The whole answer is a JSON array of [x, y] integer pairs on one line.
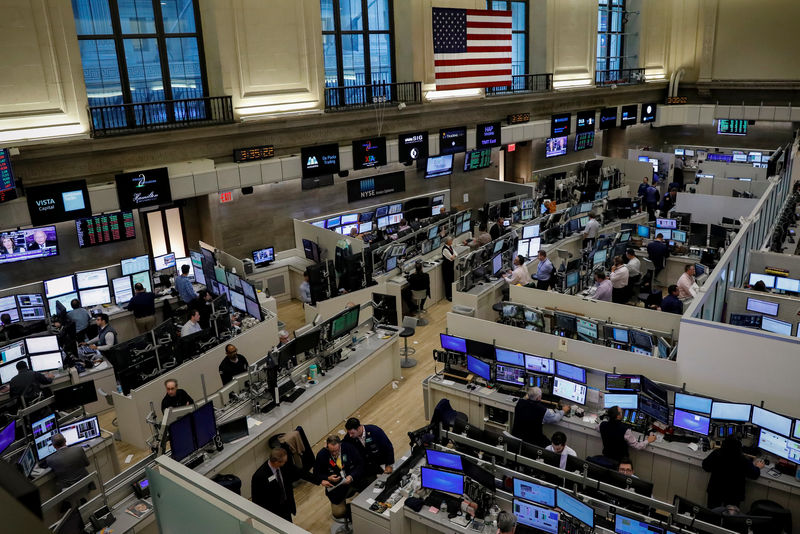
[[268, 494], [68, 465], [352, 464], [33, 245], [378, 450]]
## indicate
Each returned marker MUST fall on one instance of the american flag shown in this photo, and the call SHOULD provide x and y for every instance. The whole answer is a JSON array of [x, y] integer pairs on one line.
[[471, 48]]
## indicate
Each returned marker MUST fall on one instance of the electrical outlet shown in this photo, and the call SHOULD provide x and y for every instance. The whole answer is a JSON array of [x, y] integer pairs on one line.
[[466, 197]]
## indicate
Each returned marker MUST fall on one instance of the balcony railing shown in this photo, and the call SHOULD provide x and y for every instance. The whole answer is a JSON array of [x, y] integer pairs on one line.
[[339, 98], [619, 77], [524, 83], [139, 117]]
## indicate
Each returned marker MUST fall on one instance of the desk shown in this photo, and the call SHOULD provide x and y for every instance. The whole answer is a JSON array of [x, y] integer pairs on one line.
[[673, 468], [283, 277]]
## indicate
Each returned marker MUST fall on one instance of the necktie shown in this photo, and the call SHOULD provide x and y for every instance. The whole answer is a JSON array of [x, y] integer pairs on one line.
[[280, 481]]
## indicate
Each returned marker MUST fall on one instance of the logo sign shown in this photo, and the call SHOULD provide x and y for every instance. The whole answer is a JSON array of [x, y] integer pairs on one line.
[[58, 202], [453, 140], [319, 160], [608, 118], [648, 112], [628, 115], [140, 189], [375, 186], [487, 135], [559, 124], [412, 146], [369, 153], [585, 121]]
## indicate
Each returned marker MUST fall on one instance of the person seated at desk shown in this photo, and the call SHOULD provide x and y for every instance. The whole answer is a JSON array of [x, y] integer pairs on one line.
[[729, 469], [403, 226], [558, 445], [617, 436], [481, 238], [143, 307], [354, 233], [28, 383], [372, 444], [759, 286], [175, 398], [81, 317], [625, 467], [658, 252], [498, 229], [68, 463], [603, 284], [191, 326], [338, 468], [305, 289], [671, 303], [203, 304], [520, 274], [10, 330], [419, 281], [283, 338], [591, 231], [184, 286], [506, 523], [529, 416], [107, 336], [233, 364], [619, 281], [685, 282], [544, 271], [273, 485]]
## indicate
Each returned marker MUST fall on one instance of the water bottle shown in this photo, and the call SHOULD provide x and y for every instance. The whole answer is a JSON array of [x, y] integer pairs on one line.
[[443, 507], [119, 388]]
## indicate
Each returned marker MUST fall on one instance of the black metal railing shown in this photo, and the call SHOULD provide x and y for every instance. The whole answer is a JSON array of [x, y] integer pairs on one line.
[[138, 117], [619, 77], [346, 97], [524, 83]]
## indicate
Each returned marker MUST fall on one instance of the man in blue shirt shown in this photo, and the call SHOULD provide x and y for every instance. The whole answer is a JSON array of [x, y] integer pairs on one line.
[[658, 252], [544, 271], [80, 317], [671, 303], [143, 307], [642, 188], [184, 286], [305, 289], [651, 198]]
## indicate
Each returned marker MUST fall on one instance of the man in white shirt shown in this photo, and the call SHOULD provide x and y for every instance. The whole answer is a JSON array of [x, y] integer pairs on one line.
[[619, 281], [685, 283], [520, 274], [305, 289], [634, 272], [558, 444], [591, 231], [192, 325]]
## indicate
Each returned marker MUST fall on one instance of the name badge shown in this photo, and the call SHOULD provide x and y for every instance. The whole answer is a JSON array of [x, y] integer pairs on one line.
[[271, 479]]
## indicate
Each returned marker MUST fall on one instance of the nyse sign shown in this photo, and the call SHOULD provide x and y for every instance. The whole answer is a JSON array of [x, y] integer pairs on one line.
[[375, 186]]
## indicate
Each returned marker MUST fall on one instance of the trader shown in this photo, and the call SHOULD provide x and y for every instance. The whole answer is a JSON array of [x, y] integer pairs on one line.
[[372, 444], [544, 271], [481, 238], [671, 303], [520, 274], [558, 445], [685, 282], [449, 256], [305, 289], [338, 468], [529, 416], [175, 398], [625, 467], [591, 231], [643, 188], [604, 289], [619, 281], [191, 326], [658, 252], [80, 317], [68, 463], [143, 306], [634, 266], [233, 364], [729, 469], [498, 229], [283, 338], [419, 281], [617, 436], [506, 523], [273, 485], [184, 286], [668, 202], [651, 197], [10, 330], [27, 384], [106, 338]]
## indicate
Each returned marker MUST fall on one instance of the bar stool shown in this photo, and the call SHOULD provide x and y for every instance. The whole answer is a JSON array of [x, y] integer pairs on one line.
[[419, 295], [409, 325]]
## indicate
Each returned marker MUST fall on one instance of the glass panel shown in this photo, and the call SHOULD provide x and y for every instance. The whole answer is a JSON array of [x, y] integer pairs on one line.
[[329, 53], [378, 11], [518, 53], [380, 58], [184, 68], [328, 21], [602, 21], [136, 16], [100, 72], [498, 5], [92, 17], [158, 238], [616, 21], [353, 60], [350, 15], [518, 16], [178, 16], [144, 70]]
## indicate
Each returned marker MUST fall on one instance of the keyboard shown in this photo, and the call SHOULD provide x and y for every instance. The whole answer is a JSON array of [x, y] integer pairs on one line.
[[456, 372], [669, 438], [292, 396]]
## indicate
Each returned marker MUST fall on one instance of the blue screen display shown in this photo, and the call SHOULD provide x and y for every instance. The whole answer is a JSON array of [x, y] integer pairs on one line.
[[575, 508], [691, 422], [444, 459], [571, 372], [510, 357], [643, 231], [181, 438], [478, 367], [453, 343], [626, 525], [692, 403], [442, 481], [530, 491], [7, 435], [620, 335], [541, 519]]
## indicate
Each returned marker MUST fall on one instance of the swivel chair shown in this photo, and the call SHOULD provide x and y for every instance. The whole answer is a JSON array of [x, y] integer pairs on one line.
[[409, 326]]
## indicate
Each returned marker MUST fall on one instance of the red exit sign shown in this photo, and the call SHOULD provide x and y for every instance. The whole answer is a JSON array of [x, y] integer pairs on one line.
[[226, 196]]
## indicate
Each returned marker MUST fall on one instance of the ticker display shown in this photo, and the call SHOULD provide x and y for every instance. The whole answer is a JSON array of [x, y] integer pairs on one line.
[[106, 228], [253, 153], [584, 140], [478, 159], [731, 127], [8, 189]]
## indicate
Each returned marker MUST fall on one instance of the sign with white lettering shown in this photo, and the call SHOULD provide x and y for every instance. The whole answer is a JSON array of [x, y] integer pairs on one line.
[[140, 189], [58, 202]]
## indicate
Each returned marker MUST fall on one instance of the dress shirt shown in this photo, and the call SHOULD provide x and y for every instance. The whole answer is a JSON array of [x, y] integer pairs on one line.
[[190, 327], [305, 292], [80, 317], [603, 291], [448, 255], [568, 451], [619, 278], [634, 266], [685, 283], [544, 270], [519, 275], [552, 416], [185, 290], [592, 229]]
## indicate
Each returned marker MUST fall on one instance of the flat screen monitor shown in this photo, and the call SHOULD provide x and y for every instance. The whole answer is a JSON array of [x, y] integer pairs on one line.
[[333, 222], [90, 279], [80, 431], [442, 481], [670, 224], [560, 124], [768, 279], [780, 446], [453, 343], [95, 297], [365, 227], [679, 236], [643, 231], [65, 300], [220, 275], [7, 372], [391, 263], [584, 121], [205, 424], [478, 159], [539, 518], [539, 364], [654, 409], [530, 231], [791, 285], [443, 459], [237, 301], [620, 335], [12, 351], [439, 166], [41, 344], [572, 372], [699, 424], [771, 421], [679, 152], [731, 127], [569, 390], [509, 375], [599, 257], [144, 279], [27, 461], [584, 141], [26, 300], [253, 309], [775, 326], [497, 263], [248, 290], [59, 286], [180, 262], [628, 115], [739, 156], [531, 491], [345, 322], [48, 361], [693, 403], [164, 262], [608, 118], [43, 431], [264, 256], [626, 401], [135, 265], [181, 438], [479, 368], [510, 357], [523, 247], [8, 303], [395, 208], [572, 279], [729, 411], [628, 525], [123, 289], [234, 282], [453, 140], [555, 146], [572, 506], [7, 435], [75, 395], [105, 228], [762, 306]]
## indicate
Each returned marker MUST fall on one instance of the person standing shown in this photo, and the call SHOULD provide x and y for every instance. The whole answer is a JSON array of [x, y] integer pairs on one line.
[[685, 282], [529, 416], [184, 286], [651, 198], [604, 289], [305, 289], [449, 256], [619, 281], [80, 317], [591, 231], [272, 485], [643, 188], [372, 444], [143, 307], [233, 364], [338, 468], [544, 271], [617, 436], [729, 469], [658, 252]]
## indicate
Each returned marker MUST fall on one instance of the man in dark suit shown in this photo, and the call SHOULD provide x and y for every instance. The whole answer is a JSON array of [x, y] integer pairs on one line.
[[658, 252], [338, 468], [68, 463], [373, 445], [272, 485], [40, 241]]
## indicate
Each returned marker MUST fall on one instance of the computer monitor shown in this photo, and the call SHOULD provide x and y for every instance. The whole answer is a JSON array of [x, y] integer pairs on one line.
[[345, 322], [693, 403], [12, 351], [181, 438], [628, 525], [509, 357], [572, 506], [180, 262], [253, 309], [507, 374], [531, 491], [792, 285], [443, 459], [479, 368], [65, 300], [692, 422], [679, 236], [237, 301], [7, 372], [453, 343], [333, 222], [530, 231], [775, 326], [654, 408], [135, 265], [780, 446], [537, 517], [643, 231], [762, 306], [8, 435], [40, 344], [95, 297], [572, 372], [264, 256], [205, 424], [768, 279], [599, 257], [123, 289], [27, 461], [43, 431], [497, 263], [74, 395], [80, 431], [307, 342], [90, 279], [59, 286], [771, 421], [391, 263], [442, 481], [348, 218], [164, 262], [626, 401], [46, 362], [569, 390], [144, 279], [730, 411]]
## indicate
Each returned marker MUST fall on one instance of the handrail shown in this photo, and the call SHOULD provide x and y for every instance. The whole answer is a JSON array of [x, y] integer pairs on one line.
[[524, 83], [347, 97], [619, 77]]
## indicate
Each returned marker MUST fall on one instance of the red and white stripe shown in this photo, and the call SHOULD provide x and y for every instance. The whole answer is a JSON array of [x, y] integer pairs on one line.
[[487, 62]]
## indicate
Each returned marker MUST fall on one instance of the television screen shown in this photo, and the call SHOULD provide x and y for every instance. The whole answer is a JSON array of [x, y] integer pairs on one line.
[[555, 146], [58, 202], [319, 160], [559, 124], [540, 519], [412, 146], [762, 306], [487, 135], [772, 421], [264, 256], [21, 245], [628, 116], [439, 166], [135, 265], [608, 118], [161, 263], [107, 228], [585, 121], [584, 141], [691, 422], [477, 159], [731, 127], [453, 140], [368, 153], [648, 113], [8, 188], [140, 189]]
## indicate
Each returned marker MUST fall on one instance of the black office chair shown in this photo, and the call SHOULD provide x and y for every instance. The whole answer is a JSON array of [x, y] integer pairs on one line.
[[782, 518], [409, 326]]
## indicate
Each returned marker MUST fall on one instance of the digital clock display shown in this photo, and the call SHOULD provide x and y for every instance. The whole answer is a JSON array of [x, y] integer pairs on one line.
[[254, 153], [518, 118]]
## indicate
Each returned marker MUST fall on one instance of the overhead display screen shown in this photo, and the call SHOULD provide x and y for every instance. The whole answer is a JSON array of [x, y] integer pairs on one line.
[[487, 135], [453, 140], [141, 189], [585, 121], [375, 186], [319, 160], [477, 159], [19, 245], [8, 189], [369, 153], [412, 146], [731, 127], [108, 228], [608, 118], [559, 124], [58, 202], [629, 115], [584, 140], [648, 113], [254, 153]]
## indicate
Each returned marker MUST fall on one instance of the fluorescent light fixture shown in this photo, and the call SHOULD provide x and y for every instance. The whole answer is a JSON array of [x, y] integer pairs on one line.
[[654, 75], [571, 84], [256, 112], [432, 96]]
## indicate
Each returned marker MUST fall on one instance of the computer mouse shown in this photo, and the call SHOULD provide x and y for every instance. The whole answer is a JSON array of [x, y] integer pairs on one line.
[[515, 399]]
